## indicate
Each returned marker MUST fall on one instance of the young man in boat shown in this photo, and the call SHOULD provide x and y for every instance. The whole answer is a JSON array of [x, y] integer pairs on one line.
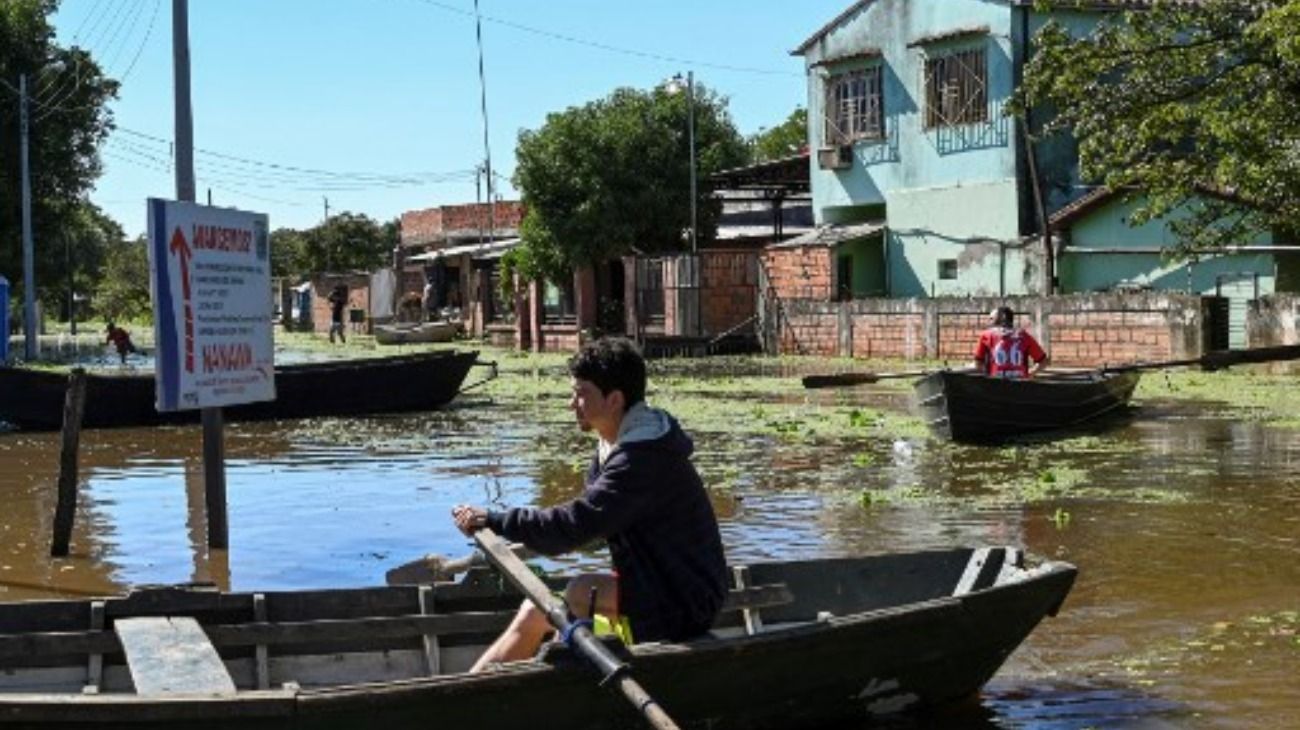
[[643, 497], [1006, 351]]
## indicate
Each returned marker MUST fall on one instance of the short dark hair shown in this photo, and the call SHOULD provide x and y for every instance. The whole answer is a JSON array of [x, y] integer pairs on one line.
[[1004, 317], [612, 363]]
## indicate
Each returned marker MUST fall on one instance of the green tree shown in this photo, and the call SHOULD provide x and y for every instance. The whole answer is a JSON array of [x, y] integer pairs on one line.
[[600, 179], [288, 253], [783, 140], [1179, 99], [347, 242], [69, 118], [122, 293]]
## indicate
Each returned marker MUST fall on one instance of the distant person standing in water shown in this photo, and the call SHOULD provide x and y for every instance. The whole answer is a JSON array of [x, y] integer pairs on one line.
[[1006, 351], [120, 339], [338, 299]]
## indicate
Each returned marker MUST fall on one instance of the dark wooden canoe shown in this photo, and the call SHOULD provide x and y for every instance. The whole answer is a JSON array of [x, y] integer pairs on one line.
[[824, 642], [34, 398], [972, 408]]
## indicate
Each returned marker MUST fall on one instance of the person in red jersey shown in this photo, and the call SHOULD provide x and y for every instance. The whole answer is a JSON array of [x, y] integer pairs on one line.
[[1006, 351], [120, 339]]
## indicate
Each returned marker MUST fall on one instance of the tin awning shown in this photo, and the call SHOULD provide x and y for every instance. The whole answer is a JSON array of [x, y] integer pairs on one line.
[[489, 250], [833, 234]]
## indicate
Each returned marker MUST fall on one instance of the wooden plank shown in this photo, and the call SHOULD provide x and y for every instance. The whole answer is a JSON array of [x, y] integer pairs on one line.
[[261, 668], [66, 507], [95, 665], [974, 567], [753, 621], [169, 656], [765, 596], [430, 641]]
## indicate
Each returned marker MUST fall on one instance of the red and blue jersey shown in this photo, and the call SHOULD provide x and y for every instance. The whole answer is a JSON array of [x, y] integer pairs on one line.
[[1007, 353]]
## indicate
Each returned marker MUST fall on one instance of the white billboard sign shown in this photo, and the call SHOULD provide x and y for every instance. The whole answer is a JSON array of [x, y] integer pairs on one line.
[[210, 276]]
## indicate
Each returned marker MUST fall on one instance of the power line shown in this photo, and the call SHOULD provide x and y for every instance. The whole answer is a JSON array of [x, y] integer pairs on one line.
[[610, 48]]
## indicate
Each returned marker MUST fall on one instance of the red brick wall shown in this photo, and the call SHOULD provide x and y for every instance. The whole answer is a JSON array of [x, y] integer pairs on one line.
[[358, 298], [729, 288], [1076, 330], [900, 336], [1092, 338], [473, 216], [800, 273], [421, 226]]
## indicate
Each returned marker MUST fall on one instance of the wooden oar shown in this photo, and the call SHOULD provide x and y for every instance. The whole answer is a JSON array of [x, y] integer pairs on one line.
[[434, 568], [1217, 360], [612, 669], [840, 380]]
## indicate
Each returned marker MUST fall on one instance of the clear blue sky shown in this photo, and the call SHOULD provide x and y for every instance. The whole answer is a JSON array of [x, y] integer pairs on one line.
[[375, 103]]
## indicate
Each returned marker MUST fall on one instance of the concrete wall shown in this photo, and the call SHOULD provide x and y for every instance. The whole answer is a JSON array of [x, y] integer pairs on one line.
[[1273, 320], [1108, 228], [1084, 331]]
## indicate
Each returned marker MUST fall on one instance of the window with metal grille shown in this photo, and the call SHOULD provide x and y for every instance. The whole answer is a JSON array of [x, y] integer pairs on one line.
[[854, 107], [948, 269], [956, 89]]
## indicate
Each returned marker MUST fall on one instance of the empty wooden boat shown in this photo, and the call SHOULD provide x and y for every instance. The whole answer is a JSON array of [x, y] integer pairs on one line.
[[31, 398], [802, 644]]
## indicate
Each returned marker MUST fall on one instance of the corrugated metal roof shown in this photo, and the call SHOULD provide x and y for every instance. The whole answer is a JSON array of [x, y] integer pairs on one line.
[[833, 235]]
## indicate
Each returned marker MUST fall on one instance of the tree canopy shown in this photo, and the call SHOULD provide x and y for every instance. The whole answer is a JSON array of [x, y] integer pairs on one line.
[[1179, 100], [68, 120], [345, 242], [783, 140], [614, 174]]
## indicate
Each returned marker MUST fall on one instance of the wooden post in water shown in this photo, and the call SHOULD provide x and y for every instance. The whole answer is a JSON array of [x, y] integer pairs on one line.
[[73, 407]]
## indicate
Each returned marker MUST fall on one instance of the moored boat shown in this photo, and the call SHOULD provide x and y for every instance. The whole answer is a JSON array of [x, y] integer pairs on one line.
[[970, 407], [410, 334], [802, 644], [31, 398]]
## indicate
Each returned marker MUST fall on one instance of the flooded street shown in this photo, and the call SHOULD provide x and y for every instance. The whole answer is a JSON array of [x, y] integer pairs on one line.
[[1184, 521]]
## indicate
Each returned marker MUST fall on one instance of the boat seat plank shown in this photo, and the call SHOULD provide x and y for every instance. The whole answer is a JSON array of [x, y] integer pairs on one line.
[[755, 597], [753, 621], [172, 655], [95, 664], [982, 570]]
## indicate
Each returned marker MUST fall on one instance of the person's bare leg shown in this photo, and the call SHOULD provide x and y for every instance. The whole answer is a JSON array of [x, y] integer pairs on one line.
[[523, 637], [520, 640]]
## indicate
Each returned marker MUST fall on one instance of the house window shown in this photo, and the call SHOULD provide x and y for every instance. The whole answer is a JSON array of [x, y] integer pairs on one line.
[[956, 89], [948, 269], [854, 107], [557, 303]]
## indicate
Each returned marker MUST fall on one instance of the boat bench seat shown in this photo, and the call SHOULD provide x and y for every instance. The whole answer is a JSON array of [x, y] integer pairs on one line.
[[986, 567], [749, 599], [170, 656]]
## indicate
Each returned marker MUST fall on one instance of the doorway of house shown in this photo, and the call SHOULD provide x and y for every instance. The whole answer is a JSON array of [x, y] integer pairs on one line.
[[1239, 289]]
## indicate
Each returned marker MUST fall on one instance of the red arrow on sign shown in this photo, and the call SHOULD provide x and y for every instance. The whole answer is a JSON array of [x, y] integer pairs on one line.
[[181, 249]]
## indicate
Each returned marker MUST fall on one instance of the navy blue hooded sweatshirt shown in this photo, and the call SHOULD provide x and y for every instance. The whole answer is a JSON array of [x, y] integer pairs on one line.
[[648, 502]]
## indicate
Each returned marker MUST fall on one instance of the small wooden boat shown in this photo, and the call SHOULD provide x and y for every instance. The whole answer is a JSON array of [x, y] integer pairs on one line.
[[803, 644], [33, 399], [969, 407], [409, 334]]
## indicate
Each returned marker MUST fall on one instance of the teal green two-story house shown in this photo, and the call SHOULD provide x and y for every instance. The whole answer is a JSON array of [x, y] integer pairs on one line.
[[927, 180]]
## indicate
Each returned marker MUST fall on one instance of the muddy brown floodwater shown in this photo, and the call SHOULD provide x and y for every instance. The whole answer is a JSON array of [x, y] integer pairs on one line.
[[1185, 525]]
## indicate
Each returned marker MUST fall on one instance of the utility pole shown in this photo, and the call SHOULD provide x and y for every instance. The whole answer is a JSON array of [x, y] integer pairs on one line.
[[72, 292], [690, 128], [214, 447], [487, 147], [29, 258]]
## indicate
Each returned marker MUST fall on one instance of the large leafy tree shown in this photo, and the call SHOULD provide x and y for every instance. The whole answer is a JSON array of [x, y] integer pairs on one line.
[[69, 118], [346, 242], [1182, 99], [783, 140], [601, 179]]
